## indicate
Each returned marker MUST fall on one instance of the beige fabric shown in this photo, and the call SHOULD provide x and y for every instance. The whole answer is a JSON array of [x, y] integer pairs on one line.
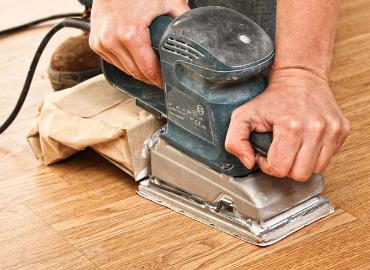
[[93, 114]]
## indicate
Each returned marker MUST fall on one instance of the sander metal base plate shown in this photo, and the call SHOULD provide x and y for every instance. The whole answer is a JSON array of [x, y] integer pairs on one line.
[[223, 218]]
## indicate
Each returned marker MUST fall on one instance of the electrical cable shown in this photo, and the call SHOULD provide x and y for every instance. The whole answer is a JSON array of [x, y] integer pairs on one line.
[[81, 24], [38, 21]]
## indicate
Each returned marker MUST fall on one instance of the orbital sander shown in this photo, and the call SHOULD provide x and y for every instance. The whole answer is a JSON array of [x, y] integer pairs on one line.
[[213, 60]]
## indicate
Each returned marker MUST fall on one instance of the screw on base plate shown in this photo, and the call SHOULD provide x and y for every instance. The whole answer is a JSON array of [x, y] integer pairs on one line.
[[227, 166]]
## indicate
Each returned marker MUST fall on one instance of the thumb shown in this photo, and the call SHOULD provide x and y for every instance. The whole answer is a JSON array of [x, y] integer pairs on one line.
[[237, 142], [176, 8]]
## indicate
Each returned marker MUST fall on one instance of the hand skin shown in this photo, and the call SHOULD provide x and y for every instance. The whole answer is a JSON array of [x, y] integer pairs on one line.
[[298, 105], [120, 34]]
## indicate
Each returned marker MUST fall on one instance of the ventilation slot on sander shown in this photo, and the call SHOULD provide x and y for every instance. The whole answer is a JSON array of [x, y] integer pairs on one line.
[[181, 48]]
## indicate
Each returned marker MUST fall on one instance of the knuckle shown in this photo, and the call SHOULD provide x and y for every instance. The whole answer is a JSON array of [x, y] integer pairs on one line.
[[294, 126], [229, 146], [129, 33], [107, 39], [238, 112], [317, 125], [346, 127], [235, 114], [94, 44], [109, 43], [335, 127], [319, 169], [301, 177], [277, 171]]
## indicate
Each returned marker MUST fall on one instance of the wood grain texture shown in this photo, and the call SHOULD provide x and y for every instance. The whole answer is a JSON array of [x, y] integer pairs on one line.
[[83, 213]]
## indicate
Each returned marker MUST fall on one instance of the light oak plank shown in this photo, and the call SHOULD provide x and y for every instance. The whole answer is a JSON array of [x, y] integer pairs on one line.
[[26, 242]]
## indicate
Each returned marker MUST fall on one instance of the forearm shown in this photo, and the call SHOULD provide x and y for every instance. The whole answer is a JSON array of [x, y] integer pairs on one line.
[[305, 32]]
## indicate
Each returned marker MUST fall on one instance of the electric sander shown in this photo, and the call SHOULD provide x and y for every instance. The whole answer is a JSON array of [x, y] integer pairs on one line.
[[213, 60]]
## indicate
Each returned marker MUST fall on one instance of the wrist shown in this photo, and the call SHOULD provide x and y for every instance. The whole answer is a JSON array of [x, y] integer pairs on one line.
[[301, 79], [310, 58], [297, 71]]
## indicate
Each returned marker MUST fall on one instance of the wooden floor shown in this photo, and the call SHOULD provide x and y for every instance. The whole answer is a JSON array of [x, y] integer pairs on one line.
[[83, 213]]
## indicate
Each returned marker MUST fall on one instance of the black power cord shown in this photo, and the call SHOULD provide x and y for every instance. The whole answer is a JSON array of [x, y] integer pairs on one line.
[[38, 21], [77, 23]]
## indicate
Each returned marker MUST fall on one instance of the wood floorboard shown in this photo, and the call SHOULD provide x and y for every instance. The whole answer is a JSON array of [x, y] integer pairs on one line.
[[83, 213]]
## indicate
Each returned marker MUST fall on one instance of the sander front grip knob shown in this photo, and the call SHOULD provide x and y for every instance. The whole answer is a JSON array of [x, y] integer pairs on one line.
[[261, 142]]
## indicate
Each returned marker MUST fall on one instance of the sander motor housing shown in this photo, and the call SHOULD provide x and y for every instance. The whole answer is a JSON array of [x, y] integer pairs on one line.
[[208, 72]]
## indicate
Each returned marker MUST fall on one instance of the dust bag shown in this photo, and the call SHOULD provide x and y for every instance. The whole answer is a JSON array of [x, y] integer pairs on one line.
[[94, 114]]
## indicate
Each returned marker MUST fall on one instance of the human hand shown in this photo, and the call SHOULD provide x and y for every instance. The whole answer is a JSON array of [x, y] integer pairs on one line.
[[120, 34], [308, 127]]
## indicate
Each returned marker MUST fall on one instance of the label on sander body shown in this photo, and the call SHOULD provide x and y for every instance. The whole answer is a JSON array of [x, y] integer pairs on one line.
[[190, 114]]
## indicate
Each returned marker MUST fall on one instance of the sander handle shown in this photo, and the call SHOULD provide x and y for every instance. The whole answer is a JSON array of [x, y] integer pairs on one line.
[[260, 141], [157, 29]]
